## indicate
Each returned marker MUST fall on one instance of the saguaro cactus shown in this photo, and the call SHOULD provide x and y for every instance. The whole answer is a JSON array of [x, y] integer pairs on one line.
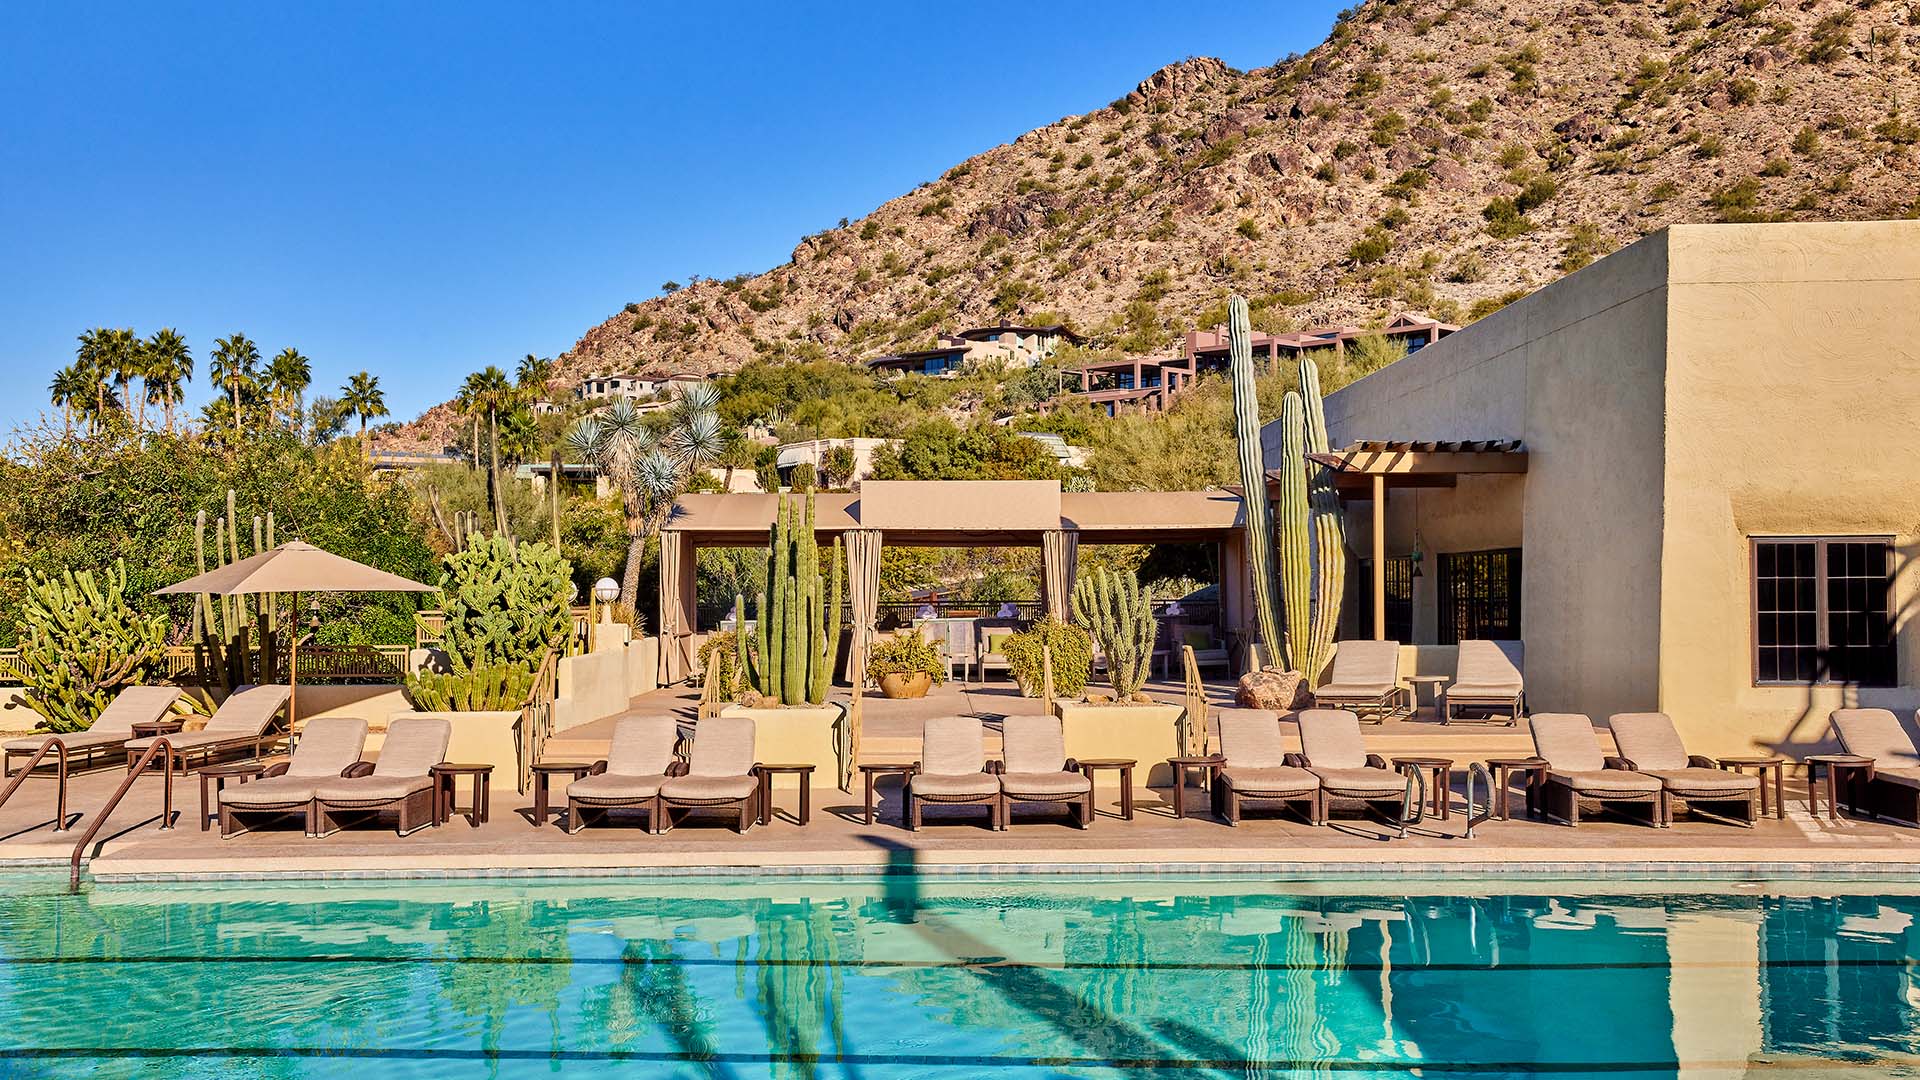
[[1118, 612], [1328, 528], [1296, 539], [1253, 481], [81, 642], [797, 638]]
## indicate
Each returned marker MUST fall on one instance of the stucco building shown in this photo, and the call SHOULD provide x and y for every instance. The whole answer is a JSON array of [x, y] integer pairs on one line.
[[1707, 503]]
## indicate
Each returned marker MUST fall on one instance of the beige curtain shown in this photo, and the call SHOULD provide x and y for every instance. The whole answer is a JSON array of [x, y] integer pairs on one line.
[[676, 620], [863, 595], [1060, 561]]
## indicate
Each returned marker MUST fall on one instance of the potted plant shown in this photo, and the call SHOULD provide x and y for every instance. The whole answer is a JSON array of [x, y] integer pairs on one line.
[[1118, 613], [1072, 649], [905, 665]]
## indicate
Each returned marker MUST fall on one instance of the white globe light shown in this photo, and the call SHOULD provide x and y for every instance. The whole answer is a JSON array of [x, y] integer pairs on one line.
[[606, 590]]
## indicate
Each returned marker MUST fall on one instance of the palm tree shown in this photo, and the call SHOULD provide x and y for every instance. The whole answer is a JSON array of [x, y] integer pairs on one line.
[[94, 360], [534, 374], [488, 393], [363, 398], [71, 390], [288, 376], [650, 473], [234, 366], [169, 366]]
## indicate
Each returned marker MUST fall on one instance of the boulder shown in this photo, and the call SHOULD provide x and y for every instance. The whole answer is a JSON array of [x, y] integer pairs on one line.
[[1272, 689]]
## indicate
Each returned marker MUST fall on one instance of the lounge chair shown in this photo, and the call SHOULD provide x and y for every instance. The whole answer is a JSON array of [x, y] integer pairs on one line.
[[640, 760], [242, 722], [953, 770], [1258, 769], [721, 772], [1332, 749], [110, 730], [1576, 770], [1036, 768], [1894, 790], [1365, 679], [1650, 744], [328, 748], [991, 637], [1486, 680], [399, 780]]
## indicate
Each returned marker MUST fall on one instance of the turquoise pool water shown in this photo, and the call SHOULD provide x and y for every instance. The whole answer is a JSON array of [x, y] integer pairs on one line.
[[935, 977]]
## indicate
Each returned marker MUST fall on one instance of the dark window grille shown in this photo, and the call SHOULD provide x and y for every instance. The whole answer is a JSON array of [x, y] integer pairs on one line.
[[1823, 611], [1399, 598], [1479, 596]]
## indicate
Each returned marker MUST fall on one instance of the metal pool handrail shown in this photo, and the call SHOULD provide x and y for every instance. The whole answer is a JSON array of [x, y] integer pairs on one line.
[[1475, 768], [60, 777], [160, 746], [1412, 809]]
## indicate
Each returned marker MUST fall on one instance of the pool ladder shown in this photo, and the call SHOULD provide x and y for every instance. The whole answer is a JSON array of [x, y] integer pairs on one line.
[[1475, 768], [164, 749]]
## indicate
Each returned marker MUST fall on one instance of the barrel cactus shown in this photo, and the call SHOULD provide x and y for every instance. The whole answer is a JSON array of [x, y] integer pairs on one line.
[[81, 643], [797, 632], [1118, 612]]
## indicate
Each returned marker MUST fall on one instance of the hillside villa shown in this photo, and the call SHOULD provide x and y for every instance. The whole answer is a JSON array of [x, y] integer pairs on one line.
[[1014, 346]]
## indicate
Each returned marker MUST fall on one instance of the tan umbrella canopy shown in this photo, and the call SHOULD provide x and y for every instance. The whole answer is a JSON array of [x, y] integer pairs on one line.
[[295, 568]]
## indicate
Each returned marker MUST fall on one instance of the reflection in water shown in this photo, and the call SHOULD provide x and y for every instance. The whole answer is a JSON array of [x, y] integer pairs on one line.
[[938, 977]]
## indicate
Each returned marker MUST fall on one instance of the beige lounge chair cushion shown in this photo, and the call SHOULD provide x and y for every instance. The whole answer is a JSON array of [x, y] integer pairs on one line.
[[370, 790], [1271, 781], [952, 746], [1033, 744], [1649, 740], [272, 792], [1876, 734], [615, 787], [1607, 783], [954, 785], [1331, 739], [1566, 742], [1047, 784], [413, 746], [722, 747], [643, 745], [244, 716], [1904, 777], [328, 744], [1361, 783], [708, 788], [1487, 669], [1706, 783], [1251, 740], [1363, 669], [133, 705]]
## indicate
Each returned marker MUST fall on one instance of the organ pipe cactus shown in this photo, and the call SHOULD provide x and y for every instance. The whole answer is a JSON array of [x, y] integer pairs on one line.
[[1118, 612], [1328, 528], [81, 643], [1296, 534], [797, 634], [220, 630], [1253, 481]]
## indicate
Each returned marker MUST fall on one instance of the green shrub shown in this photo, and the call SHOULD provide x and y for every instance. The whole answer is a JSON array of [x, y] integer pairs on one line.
[[1504, 219], [1372, 246], [905, 653], [1248, 228], [1072, 649]]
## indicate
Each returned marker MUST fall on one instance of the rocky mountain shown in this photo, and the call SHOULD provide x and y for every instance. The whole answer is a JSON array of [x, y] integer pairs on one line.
[[1435, 155]]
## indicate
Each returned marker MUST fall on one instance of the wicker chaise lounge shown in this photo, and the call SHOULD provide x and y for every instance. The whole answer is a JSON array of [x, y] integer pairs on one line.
[[953, 771], [1894, 790], [1486, 680], [1650, 744], [720, 772], [1036, 769], [1576, 770], [1365, 680], [640, 760], [1258, 769], [110, 730], [400, 780], [1332, 749], [328, 748], [242, 722]]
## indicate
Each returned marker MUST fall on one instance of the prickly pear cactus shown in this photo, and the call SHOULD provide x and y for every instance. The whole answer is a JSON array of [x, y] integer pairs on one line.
[[81, 643], [1118, 612]]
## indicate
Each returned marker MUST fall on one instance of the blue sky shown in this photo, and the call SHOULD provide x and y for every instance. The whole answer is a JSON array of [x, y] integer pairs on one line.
[[419, 190]]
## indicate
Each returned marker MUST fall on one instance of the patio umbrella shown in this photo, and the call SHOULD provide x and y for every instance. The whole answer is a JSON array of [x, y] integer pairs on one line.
[[293, 568]]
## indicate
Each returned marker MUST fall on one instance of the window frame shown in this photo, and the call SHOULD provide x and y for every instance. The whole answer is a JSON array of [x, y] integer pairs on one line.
[[1821, 611], [1446, 629]]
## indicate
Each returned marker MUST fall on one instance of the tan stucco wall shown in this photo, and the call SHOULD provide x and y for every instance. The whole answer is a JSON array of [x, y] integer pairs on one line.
[[1794, 407]]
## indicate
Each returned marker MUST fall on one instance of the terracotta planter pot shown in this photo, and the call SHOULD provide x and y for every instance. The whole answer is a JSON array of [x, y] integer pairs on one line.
[[913, 684]]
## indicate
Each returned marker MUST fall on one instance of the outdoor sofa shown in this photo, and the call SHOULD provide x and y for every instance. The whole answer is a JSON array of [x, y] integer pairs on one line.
[[1649, 743], [401, 779]]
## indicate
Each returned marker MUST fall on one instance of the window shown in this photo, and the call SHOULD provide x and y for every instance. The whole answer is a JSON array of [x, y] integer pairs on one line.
[[1479, 596], [1822, 610], [1399, 598]]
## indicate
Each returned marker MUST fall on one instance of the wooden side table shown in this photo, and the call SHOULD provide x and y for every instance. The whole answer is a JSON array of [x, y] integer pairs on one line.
[[804, 772], [444, 776], [1440, 773], [543, 774], [1125, 766], [1857, 771], [1533, 772], [147, 729], [1762, 766], [1180, 765], [239, 772], [873, 769], [1434, 681]]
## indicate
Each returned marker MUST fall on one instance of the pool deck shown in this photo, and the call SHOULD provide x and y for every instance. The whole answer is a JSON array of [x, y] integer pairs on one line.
[[131, 846]]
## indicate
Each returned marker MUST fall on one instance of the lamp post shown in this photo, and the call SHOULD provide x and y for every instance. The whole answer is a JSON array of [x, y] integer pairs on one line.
[[605, 592]]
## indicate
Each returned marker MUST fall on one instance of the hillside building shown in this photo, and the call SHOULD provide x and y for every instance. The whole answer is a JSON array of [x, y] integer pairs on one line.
[[1013, 346]]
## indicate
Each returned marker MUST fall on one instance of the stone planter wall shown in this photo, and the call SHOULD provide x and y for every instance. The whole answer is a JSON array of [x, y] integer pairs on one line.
[[1146, 733]]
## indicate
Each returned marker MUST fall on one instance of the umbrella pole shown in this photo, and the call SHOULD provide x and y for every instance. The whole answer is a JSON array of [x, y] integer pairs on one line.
[[293, 667]]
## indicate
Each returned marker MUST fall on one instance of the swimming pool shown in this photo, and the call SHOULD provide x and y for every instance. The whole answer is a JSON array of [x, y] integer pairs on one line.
[[908, 976]]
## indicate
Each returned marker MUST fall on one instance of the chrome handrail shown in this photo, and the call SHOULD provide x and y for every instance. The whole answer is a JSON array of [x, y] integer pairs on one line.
[[60, 776], [1413, 810], [160, 746], [1473, 768]]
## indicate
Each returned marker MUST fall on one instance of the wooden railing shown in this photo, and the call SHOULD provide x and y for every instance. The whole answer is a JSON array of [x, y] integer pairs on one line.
[[536, 716], [184, 664]]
